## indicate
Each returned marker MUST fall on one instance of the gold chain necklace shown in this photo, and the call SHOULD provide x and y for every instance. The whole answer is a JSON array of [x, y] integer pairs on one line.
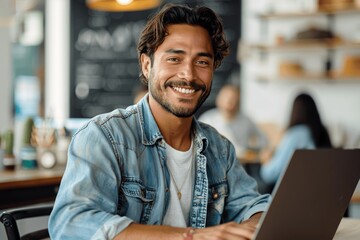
[[178, 190]]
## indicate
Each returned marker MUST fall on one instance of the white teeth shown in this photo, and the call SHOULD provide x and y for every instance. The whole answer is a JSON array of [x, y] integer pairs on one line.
[[184, 90]]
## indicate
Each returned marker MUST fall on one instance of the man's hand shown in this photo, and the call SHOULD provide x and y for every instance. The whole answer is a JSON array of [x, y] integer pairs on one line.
[[229, 231]]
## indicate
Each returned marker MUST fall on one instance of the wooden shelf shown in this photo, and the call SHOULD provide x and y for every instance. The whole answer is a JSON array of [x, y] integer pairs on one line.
[[301, 45], [305, 47], [350, 10], [310, 78]]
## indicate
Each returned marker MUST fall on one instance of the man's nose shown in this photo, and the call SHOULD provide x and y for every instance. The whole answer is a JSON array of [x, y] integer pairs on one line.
[[187, 71]]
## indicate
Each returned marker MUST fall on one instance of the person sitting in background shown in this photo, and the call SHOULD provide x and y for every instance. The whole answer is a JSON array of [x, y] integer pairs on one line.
[[305, 131], [227, 119]]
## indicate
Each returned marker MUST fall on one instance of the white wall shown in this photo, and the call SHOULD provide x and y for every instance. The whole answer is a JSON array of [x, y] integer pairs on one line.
[[338, 102], [6, 12], [57, 68]]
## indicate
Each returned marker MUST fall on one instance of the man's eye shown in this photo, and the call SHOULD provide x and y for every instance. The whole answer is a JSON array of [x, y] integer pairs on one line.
[[173, 59], [202, 62]]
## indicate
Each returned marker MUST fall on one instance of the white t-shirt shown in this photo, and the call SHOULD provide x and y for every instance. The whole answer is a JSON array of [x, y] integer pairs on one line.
[[182, 171]]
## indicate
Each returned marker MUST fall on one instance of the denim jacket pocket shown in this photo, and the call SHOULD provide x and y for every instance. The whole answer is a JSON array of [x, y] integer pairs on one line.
[[216, 202], [136, 201]]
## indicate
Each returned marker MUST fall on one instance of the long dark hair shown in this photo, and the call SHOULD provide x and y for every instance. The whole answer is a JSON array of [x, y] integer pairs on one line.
[[155, 30], [304, 111]]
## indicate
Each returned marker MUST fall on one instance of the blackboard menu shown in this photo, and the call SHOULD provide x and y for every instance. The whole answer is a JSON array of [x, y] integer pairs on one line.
[[104, 67]]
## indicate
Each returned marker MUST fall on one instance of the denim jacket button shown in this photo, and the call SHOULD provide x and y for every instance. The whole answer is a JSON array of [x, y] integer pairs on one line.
[[215, 195]]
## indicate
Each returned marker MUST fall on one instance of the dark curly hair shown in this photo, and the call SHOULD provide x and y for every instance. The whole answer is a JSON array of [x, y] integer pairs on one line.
[[155, 30]]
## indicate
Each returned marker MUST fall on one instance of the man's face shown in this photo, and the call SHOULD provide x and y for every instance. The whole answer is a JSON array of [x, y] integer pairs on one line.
[[181, 74]]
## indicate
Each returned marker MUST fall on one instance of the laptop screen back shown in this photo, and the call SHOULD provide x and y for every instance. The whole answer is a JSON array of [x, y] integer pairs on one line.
[[312, 195]]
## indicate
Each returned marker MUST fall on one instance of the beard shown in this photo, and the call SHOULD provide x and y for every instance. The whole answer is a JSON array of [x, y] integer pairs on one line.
[[178, 111]]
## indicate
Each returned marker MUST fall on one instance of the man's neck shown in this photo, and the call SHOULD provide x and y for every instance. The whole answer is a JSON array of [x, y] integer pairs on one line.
[[176, 131], [177, 136]]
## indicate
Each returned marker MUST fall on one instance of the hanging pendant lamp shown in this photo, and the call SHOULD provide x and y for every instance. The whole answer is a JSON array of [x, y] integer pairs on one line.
[[122, 5]]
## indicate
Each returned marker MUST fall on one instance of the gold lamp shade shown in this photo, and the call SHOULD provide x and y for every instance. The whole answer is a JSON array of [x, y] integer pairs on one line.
[[122, 5]]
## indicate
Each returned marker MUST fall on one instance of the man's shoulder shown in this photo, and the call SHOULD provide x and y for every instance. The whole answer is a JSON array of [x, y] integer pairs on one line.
[[116, 114], [116, 119], [119, 126]]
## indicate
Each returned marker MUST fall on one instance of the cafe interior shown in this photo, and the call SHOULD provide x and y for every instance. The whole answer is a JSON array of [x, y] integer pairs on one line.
[[66, 61]]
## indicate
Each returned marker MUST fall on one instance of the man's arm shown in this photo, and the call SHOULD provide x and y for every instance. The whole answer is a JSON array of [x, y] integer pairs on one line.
[[231, 230], [149, 232]]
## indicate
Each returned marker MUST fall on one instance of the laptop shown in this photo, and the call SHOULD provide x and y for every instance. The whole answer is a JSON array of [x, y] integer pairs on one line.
[[311, 196]]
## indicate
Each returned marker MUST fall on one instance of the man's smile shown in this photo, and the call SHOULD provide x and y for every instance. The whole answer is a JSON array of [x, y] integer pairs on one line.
[[184, 90]]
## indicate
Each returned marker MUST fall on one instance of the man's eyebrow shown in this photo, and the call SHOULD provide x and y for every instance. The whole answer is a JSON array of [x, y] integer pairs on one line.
[[205, 54], [200, 54], [171, 50]]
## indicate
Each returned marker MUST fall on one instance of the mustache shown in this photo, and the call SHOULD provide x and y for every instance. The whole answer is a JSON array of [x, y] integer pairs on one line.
[[193, 85]]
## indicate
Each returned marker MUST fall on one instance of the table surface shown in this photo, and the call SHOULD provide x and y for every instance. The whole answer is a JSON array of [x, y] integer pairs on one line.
[[349, 229], [28, 178], [24, 186]]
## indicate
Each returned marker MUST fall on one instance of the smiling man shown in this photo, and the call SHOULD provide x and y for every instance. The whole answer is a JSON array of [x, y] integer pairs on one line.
[[152, 171]]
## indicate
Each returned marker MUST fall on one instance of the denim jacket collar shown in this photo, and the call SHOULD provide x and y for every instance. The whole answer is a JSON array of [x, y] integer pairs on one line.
[[151, 132]]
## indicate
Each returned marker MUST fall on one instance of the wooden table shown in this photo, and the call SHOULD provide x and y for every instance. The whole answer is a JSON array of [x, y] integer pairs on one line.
[[348, 229], [23, 187]]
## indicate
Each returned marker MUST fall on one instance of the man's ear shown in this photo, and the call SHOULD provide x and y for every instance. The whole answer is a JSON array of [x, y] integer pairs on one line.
[[145, 65]]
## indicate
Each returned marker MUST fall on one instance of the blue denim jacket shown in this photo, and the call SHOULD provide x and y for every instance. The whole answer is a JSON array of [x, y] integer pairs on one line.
[[116, 174]]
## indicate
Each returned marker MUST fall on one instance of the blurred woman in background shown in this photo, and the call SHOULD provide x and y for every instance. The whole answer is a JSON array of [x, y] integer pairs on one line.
[[305, 131]]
